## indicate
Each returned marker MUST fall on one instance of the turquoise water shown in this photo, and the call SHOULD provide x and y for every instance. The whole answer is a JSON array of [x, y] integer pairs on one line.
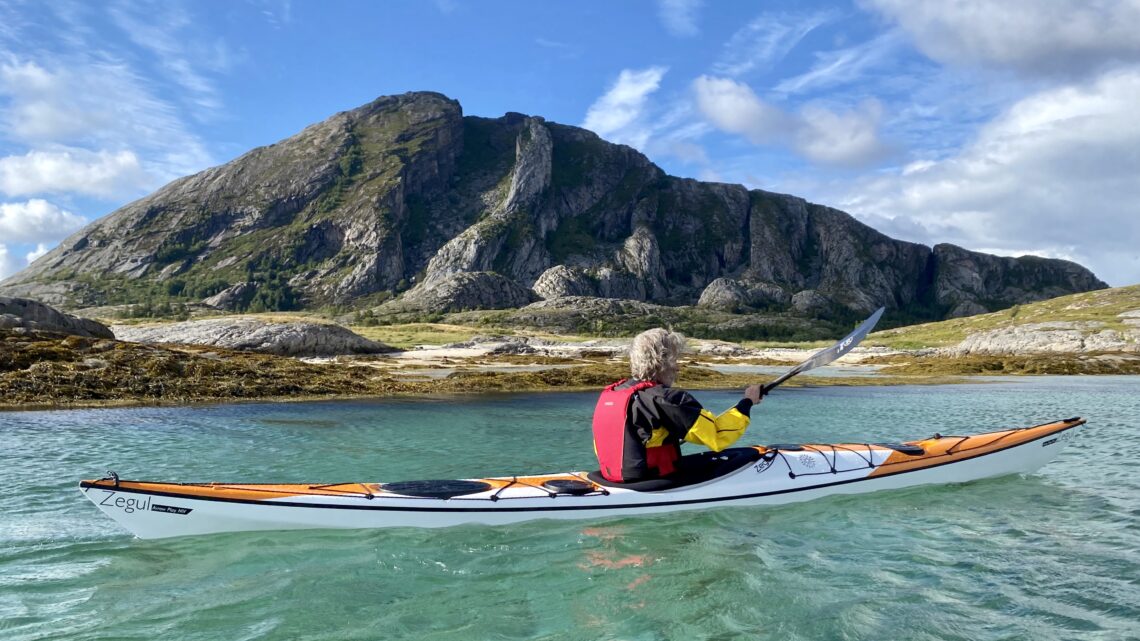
[[1055, 555]]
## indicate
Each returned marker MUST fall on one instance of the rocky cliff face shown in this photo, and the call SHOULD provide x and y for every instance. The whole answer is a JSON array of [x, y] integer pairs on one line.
[[969, 283], [406, 193]]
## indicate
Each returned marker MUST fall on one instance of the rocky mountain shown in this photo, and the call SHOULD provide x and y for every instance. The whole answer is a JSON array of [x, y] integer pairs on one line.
[[406, 204]]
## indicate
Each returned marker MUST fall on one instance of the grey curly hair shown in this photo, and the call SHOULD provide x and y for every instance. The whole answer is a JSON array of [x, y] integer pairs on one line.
[[653, 355]]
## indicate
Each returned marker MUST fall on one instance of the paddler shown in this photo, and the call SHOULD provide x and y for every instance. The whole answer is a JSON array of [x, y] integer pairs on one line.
[[640, 422]]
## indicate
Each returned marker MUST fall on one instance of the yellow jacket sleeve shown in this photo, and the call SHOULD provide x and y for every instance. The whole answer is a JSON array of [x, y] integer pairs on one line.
[[718, 432]]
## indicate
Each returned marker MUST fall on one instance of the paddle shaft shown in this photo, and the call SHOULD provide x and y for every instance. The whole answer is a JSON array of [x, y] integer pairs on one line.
[[828, 354]]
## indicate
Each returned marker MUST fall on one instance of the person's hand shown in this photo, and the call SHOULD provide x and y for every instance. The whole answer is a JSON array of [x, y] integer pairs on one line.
[[753, 393]]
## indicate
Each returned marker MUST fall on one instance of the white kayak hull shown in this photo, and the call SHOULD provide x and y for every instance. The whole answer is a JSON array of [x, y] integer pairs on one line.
[[779, 475]]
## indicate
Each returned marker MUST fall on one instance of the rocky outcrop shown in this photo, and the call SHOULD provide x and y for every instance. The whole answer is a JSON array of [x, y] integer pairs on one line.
[[232, 298], [560, 280], [618, 283], [463, 291], [810, 302], [640, 256], [724, 293], [1049, 338], [33, 315], [767, 295], [573, 313], [282, 339], [405, 195], [732, 295]]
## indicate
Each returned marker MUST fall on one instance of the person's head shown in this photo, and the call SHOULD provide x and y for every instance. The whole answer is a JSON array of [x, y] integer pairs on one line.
[[653, 355]]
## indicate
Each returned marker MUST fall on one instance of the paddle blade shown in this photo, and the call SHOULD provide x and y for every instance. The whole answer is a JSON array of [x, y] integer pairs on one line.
[[829, 354]]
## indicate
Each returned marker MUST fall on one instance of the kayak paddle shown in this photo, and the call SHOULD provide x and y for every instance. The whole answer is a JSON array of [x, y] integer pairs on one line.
[[829, 354]]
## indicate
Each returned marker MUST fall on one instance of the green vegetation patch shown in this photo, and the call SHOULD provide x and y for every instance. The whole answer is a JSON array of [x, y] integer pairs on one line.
[[407, 336], [573, 237], [574, 158]]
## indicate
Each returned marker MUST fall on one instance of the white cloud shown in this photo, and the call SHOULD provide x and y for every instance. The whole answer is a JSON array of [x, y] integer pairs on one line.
[[163, 31], [842, 66], [9, 264], [41, 107], [733, 107], [1055, 173], [36, 221], [552, 44], [816, 132], [40, 250], [765, 41], [99, 106], [679, 16], [848, 138], [1046, 37], [102, 174], [618, 115]]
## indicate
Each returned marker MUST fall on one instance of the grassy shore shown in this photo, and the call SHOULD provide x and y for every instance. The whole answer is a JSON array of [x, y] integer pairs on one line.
[[40, 370], [1099, 310]]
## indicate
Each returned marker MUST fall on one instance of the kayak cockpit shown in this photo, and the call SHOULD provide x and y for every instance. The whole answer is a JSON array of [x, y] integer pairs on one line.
[[692, 469]]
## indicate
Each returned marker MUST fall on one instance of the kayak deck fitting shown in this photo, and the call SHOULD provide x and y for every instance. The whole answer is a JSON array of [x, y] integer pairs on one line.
[[758, 475]]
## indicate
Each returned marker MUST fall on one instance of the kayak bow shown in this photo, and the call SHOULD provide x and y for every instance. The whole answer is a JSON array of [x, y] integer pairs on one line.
[[759, 475]]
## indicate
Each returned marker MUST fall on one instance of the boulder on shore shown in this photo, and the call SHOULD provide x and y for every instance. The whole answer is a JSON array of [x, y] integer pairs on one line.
[[30, 314]]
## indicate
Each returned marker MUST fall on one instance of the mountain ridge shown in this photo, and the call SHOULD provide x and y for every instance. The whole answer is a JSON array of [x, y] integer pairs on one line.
[[406, 204]]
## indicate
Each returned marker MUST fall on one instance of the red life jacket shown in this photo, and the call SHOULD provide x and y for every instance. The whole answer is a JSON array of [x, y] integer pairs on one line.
[[613, 437]]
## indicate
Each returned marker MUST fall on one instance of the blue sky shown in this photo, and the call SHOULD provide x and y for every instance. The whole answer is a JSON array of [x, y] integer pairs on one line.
[[1003, 127]]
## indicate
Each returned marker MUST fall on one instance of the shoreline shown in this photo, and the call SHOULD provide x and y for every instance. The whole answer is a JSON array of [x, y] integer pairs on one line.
[[47, 372]]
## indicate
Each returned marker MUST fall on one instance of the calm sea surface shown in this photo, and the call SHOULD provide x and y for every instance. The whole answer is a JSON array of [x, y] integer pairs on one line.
[[1055, 555]]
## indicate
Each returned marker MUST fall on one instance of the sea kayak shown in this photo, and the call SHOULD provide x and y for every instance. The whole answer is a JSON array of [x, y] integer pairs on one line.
[[742, 476]]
